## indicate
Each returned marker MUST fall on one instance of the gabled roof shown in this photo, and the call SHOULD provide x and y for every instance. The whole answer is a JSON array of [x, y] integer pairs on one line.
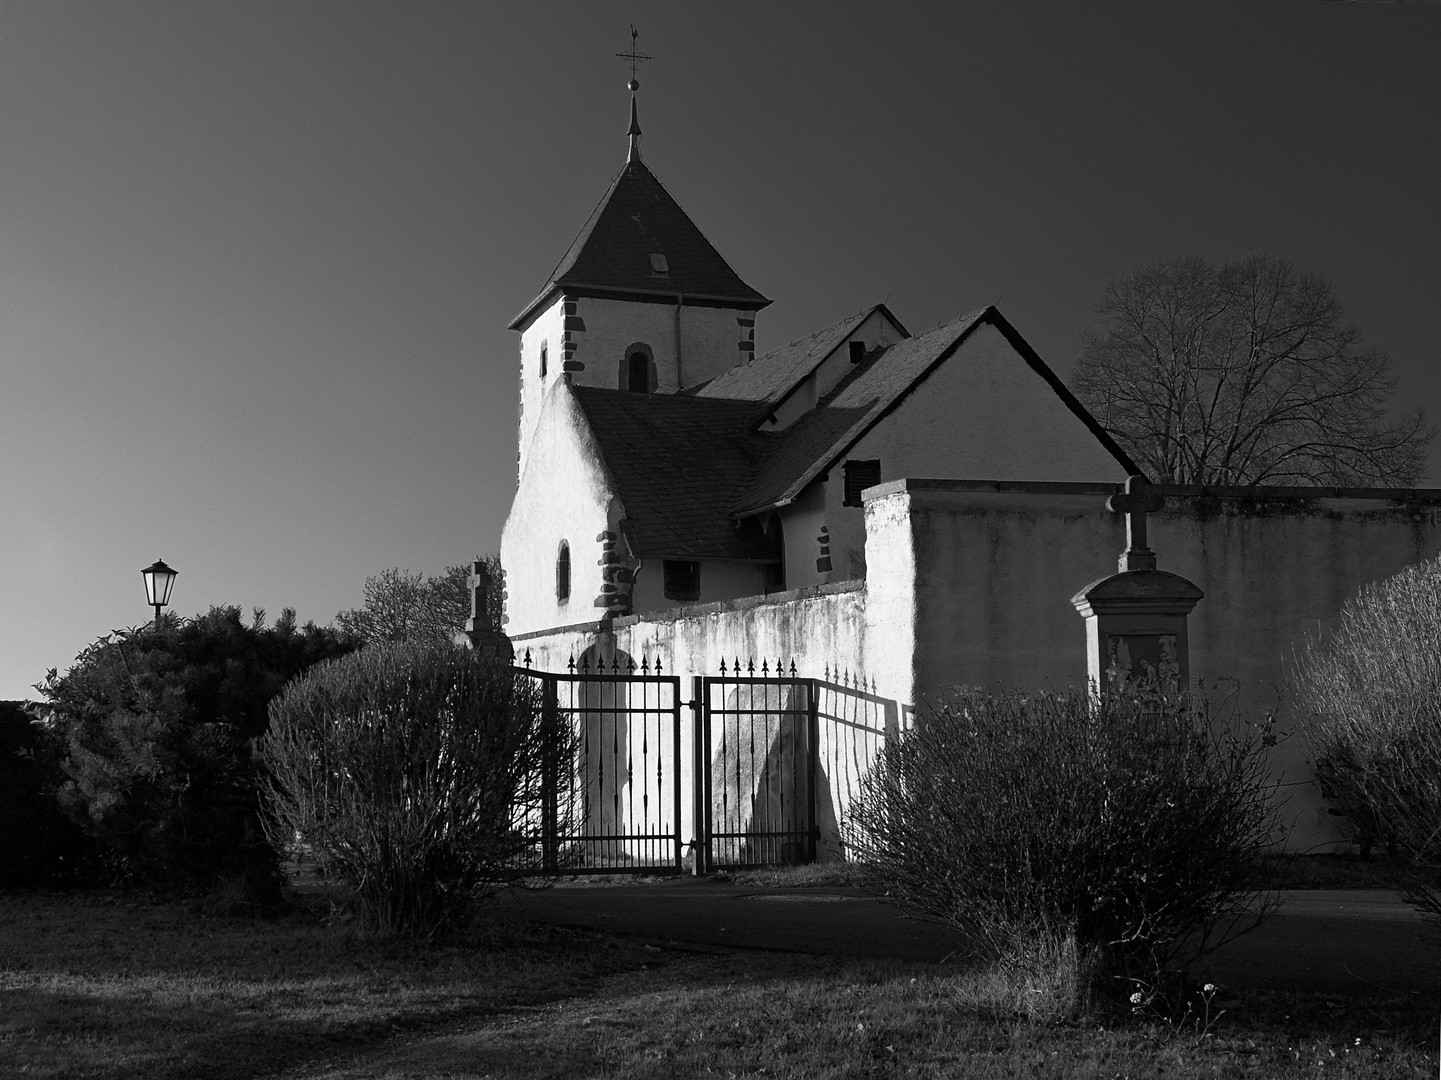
[[678, 465], [820, 439], [813, 443], [772, 376], [692, 469], [636, 219]]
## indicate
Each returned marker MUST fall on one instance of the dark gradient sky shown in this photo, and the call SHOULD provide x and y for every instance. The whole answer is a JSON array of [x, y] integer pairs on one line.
[[256, 259]]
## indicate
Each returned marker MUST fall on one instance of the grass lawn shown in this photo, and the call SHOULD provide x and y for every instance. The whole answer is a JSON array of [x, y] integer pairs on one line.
[[110, 985]]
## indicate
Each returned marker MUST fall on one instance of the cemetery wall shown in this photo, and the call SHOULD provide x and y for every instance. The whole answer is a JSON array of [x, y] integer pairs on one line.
[[990, 569], [819, 627]]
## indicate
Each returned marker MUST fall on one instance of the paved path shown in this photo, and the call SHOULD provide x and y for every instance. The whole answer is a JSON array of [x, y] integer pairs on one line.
[[1354, 941]]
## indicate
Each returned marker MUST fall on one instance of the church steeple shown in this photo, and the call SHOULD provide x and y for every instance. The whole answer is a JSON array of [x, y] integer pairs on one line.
[[641, 301]]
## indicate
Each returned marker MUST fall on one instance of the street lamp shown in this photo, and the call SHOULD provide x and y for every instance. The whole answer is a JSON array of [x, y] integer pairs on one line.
[[159, 579]]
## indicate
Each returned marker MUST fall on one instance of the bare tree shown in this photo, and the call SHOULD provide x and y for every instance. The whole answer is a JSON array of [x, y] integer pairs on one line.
[[401, 606], [1244, 375]]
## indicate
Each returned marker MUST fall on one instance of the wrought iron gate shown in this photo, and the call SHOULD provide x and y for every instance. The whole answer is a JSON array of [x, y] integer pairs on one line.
[[768, 764], [615, 807], [755, 769]]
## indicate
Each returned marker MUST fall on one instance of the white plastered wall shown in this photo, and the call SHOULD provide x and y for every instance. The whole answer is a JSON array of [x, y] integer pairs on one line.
[[720, 579], [983, 414], [564, 494], [546, 331], [820, 632], [988, 578]]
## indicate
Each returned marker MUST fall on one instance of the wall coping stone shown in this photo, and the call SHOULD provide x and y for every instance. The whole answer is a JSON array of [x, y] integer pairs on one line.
[[1056, 487], [691, 611]]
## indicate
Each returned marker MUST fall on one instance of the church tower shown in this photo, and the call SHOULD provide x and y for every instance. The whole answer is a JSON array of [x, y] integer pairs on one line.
[[641, 301]]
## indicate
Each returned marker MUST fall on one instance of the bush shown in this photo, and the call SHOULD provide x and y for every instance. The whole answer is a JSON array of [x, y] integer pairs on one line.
[[39, 845], [158, 726], [1369, 696], [1113, 839], [413, 773]]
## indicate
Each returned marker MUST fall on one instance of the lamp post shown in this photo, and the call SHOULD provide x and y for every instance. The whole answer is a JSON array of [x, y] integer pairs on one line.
[[159, 579]]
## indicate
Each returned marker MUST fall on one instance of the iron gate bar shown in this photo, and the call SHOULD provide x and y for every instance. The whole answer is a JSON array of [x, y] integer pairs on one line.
[[599, 850], [803, 816]]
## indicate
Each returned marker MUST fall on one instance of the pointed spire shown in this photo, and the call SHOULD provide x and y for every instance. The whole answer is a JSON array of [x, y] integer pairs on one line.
[[634, 132]]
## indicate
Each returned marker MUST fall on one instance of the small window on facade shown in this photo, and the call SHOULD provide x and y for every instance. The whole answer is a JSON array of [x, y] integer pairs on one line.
[[858, 351], [682, 579], [562, 573], [544, 357], [859, 476], [776, 571], [638, 373], [658, 264]]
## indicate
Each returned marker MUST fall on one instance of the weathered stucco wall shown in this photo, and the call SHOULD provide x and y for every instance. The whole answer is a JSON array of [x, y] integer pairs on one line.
[[564, 494], [813, 627], [545, 331], [709, 338], [719, 580], [817, 629], [984, 412], [801, 524], [993, 572]]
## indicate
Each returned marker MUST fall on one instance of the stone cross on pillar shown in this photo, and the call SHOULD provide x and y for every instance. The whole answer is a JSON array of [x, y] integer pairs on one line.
[[486, 641], [1136, 632], [1140, 499]]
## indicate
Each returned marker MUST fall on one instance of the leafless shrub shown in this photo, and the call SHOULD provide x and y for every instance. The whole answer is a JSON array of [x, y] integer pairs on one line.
[[1074, 839], [1370, 700], [416, 775]]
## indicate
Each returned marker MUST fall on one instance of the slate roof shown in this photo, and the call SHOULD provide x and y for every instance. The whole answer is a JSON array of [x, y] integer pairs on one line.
[[774, 375], [678, 464], [638, 217], [692, 470], [813, 443]]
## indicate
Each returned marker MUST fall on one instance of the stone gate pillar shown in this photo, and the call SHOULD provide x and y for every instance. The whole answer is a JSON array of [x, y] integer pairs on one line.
[[1136, 618]]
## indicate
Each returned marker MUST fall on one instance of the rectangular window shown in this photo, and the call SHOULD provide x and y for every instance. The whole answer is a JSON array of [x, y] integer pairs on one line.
[[858, 351], [859, 476], [682, 579]]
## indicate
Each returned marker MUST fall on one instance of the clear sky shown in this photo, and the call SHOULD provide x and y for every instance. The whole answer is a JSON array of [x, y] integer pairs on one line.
[[257, 259]]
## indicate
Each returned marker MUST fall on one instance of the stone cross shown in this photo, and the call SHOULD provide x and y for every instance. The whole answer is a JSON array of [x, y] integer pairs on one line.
[[479, 595], [1140, 498]]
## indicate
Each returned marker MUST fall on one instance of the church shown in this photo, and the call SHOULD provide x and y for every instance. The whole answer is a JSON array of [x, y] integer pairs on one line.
[[915, 511], [661, 462]]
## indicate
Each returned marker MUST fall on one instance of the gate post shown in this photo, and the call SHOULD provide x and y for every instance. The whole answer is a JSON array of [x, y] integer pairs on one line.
[[549, 775], [813, 749], [700, 778]]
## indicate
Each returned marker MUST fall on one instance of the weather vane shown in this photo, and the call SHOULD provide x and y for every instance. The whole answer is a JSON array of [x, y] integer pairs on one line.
[[635, 57]]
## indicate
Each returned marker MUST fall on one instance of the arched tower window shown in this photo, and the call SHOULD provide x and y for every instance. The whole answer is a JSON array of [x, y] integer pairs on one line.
[[637, 369], [544, 358], [562, 573]]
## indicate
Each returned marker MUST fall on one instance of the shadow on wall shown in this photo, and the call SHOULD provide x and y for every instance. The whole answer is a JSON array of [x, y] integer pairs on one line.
[[762, 807]]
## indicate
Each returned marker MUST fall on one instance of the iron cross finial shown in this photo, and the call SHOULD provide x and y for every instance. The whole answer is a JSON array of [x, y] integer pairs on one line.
[[635, 57]]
